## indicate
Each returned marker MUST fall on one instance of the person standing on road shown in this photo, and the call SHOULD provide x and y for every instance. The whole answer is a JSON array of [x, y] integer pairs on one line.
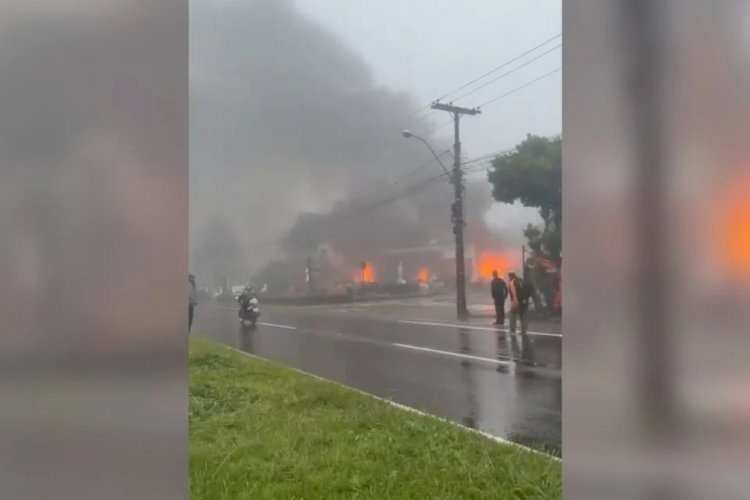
[[519, 302], [192, 300], [499, 294]]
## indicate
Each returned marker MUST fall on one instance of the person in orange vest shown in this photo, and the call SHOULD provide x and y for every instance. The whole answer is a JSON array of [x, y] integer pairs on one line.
[[519, 302]]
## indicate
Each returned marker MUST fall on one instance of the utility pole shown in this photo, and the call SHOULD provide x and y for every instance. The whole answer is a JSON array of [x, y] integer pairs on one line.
[[457, 215]]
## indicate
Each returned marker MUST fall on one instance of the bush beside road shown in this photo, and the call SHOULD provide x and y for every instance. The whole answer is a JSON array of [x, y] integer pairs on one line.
[[260, 430]]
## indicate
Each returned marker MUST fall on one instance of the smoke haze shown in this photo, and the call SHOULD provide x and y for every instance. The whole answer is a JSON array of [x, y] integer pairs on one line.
[[285, 120]]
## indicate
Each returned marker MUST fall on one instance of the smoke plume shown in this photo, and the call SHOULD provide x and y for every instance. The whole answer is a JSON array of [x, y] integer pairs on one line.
[[286, 120]]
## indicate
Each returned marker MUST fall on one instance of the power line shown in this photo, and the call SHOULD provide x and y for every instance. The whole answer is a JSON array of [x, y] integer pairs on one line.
[[405, 176], [416, 187], [352, 211], [474, 164], [457, 208], [478, 163], [499, 67], [425, 183], [412, 172], [470, 166], [408, 191], [517, 89], [491, 155], [488, 73], [441, 126], [520, 88], [467, 166], [507, 73], [503, 151]]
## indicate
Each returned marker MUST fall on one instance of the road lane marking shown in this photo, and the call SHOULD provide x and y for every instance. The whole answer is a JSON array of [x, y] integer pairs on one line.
[[474, 327], [428, 323], [453, 354], [403, 407], [274, 325], [350, 338], [286, 327]]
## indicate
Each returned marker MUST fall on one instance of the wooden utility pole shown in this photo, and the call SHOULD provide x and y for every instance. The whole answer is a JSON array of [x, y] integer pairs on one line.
[[457, 215]]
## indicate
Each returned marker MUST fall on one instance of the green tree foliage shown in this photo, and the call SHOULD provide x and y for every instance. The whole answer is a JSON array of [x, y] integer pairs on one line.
[[532, 174]]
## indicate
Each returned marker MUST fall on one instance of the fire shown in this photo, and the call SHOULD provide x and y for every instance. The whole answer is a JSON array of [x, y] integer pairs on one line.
[[492, 261], [424, 275], [365, 274], [735, 229]]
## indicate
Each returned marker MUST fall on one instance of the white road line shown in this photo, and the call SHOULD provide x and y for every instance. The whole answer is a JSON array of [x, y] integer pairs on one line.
[[400, 406], [426, 323], [474, 327], [286, 327], [454, 354]]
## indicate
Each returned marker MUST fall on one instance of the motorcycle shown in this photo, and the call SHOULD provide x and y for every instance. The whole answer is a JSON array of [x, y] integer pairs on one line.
[[249, 312]]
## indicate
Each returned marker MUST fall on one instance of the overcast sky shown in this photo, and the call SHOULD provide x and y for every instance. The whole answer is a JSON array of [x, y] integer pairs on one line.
[[430, 47], [297, 106]]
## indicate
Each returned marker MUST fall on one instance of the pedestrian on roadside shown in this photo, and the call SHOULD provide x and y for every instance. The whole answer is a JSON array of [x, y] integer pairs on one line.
[[519, 302], [499, 294], [192, 300]]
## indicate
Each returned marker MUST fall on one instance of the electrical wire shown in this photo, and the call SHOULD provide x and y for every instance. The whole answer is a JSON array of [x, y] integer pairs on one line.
[[497, 68], [507, 73], [480, 77], [546, 75]]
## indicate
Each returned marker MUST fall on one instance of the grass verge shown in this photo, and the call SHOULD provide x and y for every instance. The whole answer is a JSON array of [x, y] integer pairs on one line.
[[260, 430]]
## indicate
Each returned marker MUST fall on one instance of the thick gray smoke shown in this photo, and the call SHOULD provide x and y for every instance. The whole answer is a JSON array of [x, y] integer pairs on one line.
[[285, 120]]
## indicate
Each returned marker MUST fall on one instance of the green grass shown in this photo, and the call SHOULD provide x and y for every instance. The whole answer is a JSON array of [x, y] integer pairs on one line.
[[259, 430]]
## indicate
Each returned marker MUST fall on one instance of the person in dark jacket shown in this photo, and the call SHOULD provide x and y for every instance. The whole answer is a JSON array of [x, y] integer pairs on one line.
[[499, 294]]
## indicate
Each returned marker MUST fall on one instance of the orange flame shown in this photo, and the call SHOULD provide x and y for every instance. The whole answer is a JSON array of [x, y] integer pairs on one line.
[[423, 275], [365, 275], [735, 229], [492, 261]]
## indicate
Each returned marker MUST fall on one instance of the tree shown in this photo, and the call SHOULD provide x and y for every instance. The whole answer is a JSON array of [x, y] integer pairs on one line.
[[532, 173]]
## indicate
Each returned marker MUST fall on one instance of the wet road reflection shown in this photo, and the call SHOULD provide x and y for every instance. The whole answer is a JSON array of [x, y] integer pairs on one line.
[[246, 337], [472, 403], [487, 380]]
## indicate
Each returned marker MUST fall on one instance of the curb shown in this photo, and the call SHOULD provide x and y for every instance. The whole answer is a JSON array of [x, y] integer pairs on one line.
[[400, 406]]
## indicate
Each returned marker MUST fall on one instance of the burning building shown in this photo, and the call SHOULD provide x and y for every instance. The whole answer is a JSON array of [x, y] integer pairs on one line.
[[429, 263], [490, 261], [409, 241], [324, 167], [328, 272]]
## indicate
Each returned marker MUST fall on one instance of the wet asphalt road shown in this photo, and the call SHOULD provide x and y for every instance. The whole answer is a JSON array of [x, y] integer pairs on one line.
[[415, 353]]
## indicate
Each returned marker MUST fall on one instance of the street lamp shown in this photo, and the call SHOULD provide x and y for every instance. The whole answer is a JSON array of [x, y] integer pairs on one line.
[[456, 217], [408, 134]]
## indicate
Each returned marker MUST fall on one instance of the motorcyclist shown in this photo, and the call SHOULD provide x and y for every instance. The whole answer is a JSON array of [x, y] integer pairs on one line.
[[247, 299]]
